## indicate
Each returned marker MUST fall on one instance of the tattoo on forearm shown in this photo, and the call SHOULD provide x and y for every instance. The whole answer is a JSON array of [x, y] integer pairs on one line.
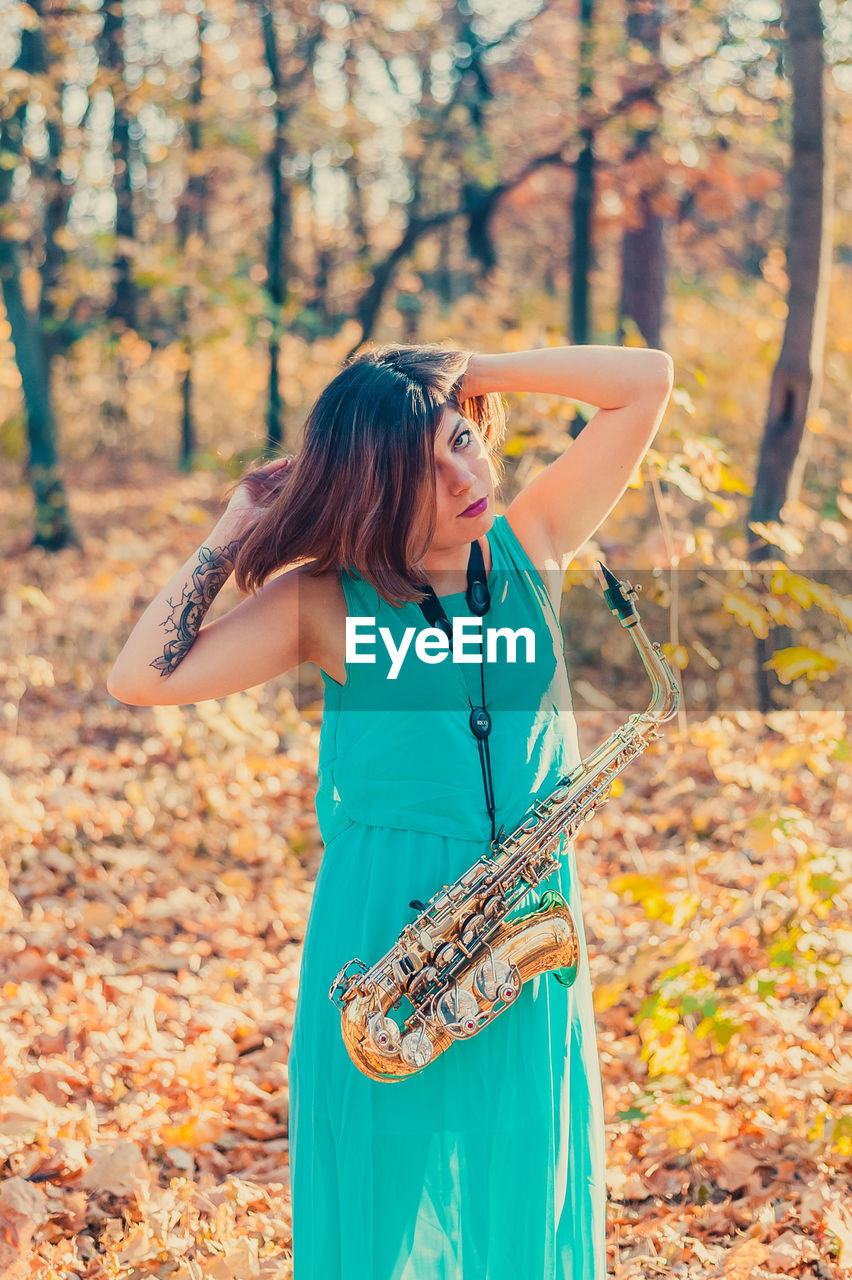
[[187, 613]]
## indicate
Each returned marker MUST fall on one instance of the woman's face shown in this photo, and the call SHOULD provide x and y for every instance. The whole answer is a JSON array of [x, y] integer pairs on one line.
[[463, 476]]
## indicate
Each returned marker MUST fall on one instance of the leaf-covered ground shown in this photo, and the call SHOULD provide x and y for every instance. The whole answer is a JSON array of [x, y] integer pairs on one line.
[[156, 881]]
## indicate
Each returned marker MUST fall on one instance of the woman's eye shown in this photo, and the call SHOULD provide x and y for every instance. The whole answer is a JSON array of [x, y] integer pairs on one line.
[[465, 432]]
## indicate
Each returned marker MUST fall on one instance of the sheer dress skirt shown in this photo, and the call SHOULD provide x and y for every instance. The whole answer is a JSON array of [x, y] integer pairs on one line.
[[489, 1164]]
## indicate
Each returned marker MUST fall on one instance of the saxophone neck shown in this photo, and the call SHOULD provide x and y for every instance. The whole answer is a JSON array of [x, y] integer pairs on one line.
[[665, 694]]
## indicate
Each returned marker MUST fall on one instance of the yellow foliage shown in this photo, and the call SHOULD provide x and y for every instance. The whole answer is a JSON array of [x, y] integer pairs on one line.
[[747, 612], [101, 584], [800, 661], [779, 536], [34, 596], [784, 612], [135, 792], [191, 513], [801, 589], [195, 1132], [170, 722], [667, 1053], [729, 482], [518, 445], [608, 994], [647, 888], [236, 881], [676, 654], [703, 652], [683, 910], [639, 884]]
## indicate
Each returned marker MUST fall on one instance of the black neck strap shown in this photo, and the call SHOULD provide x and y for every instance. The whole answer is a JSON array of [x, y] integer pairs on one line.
[[478, 601], [477, 594]]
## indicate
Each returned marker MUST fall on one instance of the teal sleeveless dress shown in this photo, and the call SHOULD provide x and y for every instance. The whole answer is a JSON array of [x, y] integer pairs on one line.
[[488, 1164]]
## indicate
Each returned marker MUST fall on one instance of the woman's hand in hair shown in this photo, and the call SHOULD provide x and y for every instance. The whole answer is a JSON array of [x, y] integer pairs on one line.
[[257, 490], [472, 382]]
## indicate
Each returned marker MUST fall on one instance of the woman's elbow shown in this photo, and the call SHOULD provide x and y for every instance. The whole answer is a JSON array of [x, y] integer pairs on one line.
[[127, 696], [123, 690], [666, 367]]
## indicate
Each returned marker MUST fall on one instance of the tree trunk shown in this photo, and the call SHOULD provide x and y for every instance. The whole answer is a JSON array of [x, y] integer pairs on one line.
[[278, 245], [191, 222], [57, 335], [356, 248], [643, 249], [643, 274], [797, 377], [53, 528], [583, 203], [123, 304]]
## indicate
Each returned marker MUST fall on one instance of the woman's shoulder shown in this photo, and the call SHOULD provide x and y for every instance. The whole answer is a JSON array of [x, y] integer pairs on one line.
[[527, 547], [323, 608], [519, 529]]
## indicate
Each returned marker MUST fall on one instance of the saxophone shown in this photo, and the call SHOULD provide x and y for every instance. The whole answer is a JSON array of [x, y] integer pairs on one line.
[[461, 963]]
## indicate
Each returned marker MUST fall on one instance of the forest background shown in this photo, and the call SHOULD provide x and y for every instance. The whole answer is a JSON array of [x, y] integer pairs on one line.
[[203, 209]]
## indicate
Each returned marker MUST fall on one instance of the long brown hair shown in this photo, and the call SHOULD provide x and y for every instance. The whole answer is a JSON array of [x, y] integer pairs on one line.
[[361, 492]]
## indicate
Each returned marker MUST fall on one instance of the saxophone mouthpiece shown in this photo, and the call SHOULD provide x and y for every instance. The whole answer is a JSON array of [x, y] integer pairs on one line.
[[620, 604]]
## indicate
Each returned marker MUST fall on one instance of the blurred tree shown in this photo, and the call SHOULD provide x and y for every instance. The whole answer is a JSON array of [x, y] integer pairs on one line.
[[797, 378], [358, 239], [191, 237], [583, 198], [643, 255], [416, 154], [33, 348], [122, 304], [796, 383], [451, 161], [286, 80]]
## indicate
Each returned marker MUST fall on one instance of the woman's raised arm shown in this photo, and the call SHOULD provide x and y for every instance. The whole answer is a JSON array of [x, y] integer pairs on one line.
[[170, 658], [564, 505]]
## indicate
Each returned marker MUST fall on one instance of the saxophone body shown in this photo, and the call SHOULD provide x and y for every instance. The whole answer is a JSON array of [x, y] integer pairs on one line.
[[462, 962]]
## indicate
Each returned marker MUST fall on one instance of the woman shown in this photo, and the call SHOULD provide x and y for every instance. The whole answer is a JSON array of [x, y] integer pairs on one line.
[[489, 1163]]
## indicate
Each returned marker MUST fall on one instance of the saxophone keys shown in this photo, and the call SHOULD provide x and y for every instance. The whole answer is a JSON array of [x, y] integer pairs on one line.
[[471, 927], [497, 980], [420, 983], [445, 956], [416, 1049], [383, 1034], [510, 987], [405, 966], [458, 1013]]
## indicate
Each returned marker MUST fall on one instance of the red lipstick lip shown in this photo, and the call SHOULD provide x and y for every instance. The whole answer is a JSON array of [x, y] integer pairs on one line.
[[474, 508]]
